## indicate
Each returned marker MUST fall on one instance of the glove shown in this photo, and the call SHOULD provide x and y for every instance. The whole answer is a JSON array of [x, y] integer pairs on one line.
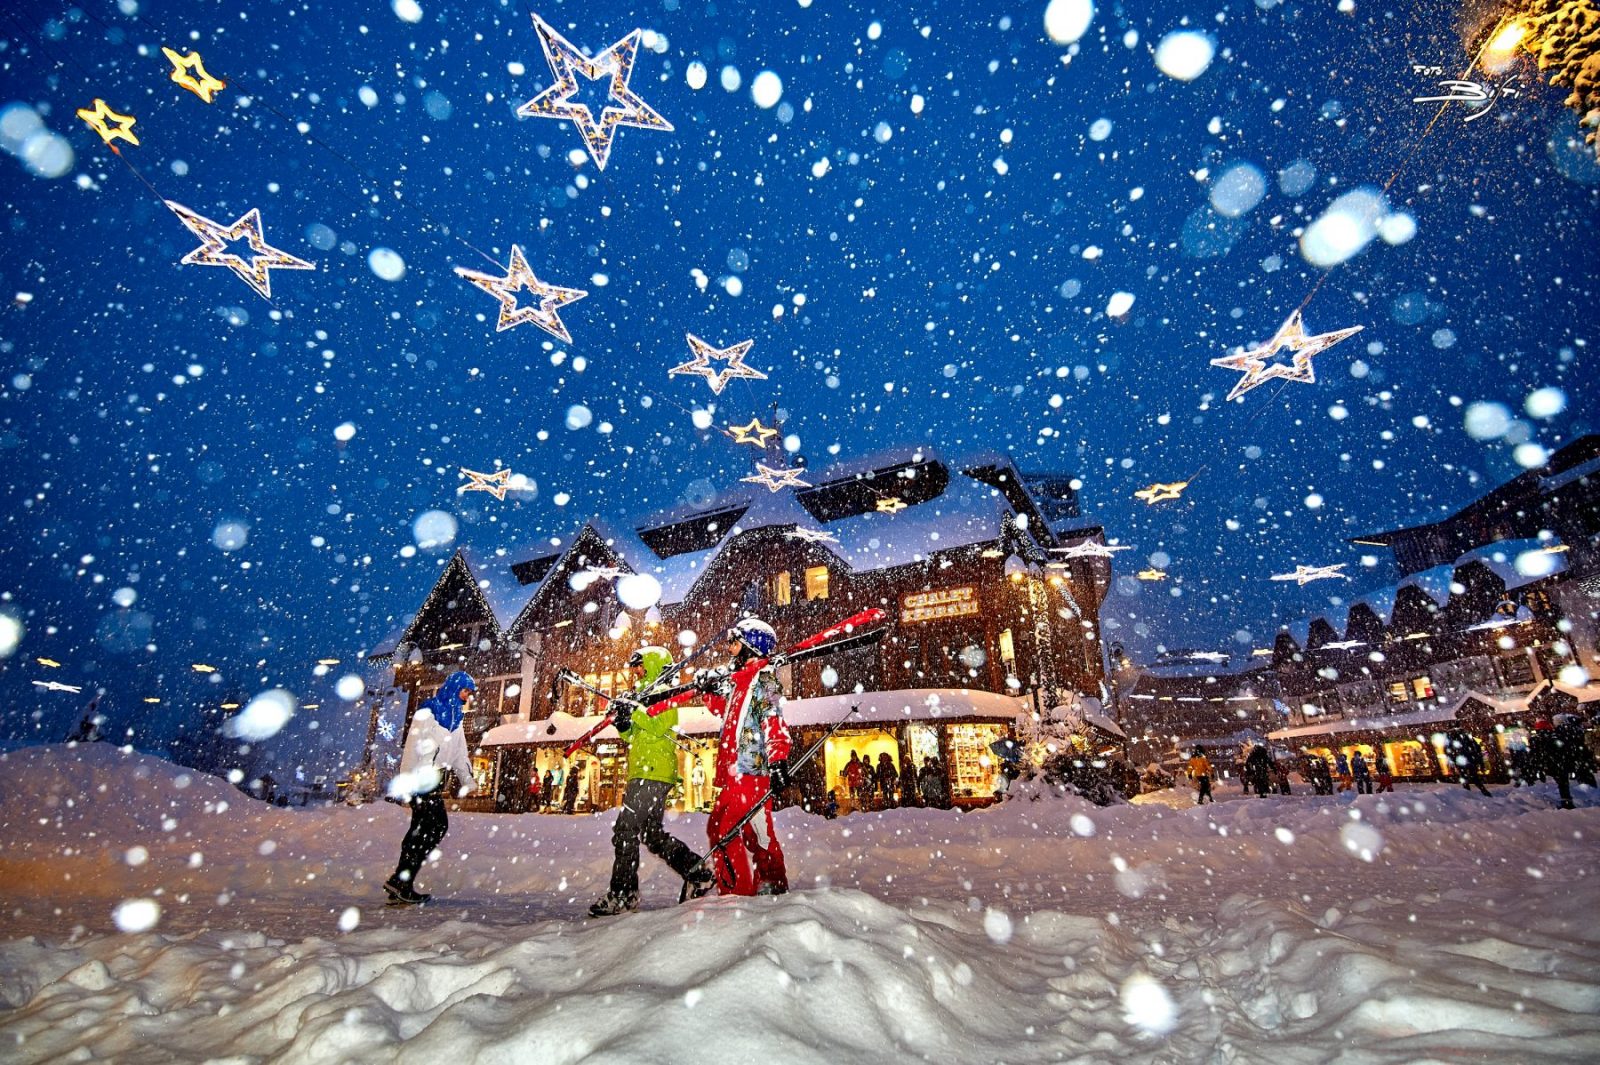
[[622, 715], [711, 680], [778, 776]]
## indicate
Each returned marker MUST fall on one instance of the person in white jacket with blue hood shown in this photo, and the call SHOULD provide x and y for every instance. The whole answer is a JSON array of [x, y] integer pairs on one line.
[[434, 744]]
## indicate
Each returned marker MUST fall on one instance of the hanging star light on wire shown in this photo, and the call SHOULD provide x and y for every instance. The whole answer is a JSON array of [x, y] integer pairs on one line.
[[190, 72], [1160, 493], [1090, 549], [57, 686], [811, 536], [892, 505], [754, 433], [108, 123], [616, 62], [705, 354], [496, 484], [1255, 363], [1304, 574], [1152, 575], [550, 298], [776, 479], [213, 250]]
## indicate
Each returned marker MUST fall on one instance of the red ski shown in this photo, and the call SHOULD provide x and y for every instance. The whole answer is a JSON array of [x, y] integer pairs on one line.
[[844, 633]]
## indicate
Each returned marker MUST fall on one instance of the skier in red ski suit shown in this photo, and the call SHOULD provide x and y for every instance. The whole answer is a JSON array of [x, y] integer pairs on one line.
[[752, 755]]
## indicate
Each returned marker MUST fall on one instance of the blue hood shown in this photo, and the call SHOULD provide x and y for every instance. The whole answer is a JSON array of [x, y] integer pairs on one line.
[[446, 703]]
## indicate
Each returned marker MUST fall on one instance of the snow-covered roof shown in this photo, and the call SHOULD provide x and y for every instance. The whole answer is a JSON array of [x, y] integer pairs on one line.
[[1429, 716], [913, 704], [391, 641], [965, 513], [1520, 562], [505, 595]]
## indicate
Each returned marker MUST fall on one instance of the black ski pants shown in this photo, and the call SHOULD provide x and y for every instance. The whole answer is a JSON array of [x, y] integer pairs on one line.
[[429, 823], [644, 804], [1203, 783]]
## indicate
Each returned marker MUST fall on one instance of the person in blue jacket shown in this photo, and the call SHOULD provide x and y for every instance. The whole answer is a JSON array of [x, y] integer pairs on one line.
[[435, 742]]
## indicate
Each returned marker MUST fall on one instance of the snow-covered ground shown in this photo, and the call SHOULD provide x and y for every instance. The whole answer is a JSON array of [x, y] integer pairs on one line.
[[1429, 925]]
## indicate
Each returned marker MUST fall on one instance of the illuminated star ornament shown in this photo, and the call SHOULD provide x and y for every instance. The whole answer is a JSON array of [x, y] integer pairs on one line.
[[775, 479], [1304, 574], [191, 73], [108, 124], [811, 536], [1255, 362], [543, 313], [213, 250], [705, 354], [496, 484], [754, 433], [616, 62], [1090, 549], [57, 686], [1160, 493], [1152, 575], [892, 505]]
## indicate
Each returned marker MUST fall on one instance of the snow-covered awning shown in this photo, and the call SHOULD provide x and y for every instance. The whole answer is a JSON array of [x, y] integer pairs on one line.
[[561, 728], [913, 704]]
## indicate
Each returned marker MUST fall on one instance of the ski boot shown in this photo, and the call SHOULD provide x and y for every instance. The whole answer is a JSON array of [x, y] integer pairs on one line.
[[401, 893], [611, 904], [698, 884]]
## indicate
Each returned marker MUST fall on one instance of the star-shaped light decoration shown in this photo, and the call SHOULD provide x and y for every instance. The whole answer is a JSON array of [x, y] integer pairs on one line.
[[1344, 645], [1160, 493], [108, 123], [50, 662], [704, 354], [543, 313], [1152, 575], [57, 686], [1254, 362], [754, 433], [213, 250], [775, 479], [191, 73], [496, 484], [557, 101], [1304, 574], [811, 536], [1089, 549], [892, 505]]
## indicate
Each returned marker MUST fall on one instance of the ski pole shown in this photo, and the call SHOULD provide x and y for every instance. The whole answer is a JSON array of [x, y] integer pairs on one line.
[[810, 752]]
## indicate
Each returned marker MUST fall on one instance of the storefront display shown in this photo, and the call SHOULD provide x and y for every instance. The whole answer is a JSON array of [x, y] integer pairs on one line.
[[973, 767], [1408, 758]]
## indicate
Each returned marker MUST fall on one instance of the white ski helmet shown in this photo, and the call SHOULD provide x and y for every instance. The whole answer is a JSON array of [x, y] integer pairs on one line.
[[756, 635]]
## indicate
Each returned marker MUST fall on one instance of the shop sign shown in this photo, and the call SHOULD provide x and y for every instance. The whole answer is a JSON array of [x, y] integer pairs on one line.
[[938, 605]]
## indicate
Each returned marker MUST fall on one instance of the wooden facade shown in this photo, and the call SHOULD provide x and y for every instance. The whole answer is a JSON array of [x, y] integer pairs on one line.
[[976, 600]]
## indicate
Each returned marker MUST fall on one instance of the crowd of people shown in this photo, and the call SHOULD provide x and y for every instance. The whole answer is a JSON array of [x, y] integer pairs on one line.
[[1556, 750]]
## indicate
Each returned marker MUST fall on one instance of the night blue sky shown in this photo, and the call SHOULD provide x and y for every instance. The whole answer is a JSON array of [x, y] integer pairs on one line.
[[947, 299]]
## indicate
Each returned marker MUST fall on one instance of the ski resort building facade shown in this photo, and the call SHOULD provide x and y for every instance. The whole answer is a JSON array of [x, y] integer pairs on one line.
[[1492, 623], [988, 624]]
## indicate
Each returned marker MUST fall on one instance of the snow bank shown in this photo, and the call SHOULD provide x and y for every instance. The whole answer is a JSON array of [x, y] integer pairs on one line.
[[1426, 925]]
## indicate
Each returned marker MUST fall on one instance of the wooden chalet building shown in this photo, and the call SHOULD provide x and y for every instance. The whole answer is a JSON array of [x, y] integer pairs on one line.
[[987, 622], [1497, 603]]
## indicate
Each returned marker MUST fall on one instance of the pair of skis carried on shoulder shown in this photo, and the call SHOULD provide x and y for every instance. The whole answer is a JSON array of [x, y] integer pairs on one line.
[[854, 631]]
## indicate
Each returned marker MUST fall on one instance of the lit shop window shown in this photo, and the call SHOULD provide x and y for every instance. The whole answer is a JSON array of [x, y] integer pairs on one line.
[[1423, 688], [1397, 691], [817, 582], [780, 589], [1008, 648]]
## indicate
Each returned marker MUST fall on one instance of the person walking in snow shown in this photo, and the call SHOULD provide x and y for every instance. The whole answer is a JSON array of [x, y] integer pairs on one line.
[[752, 765], [652, 771], [1380, 763], [1280, 776], [1467, 756], [1552, 758], [1569, 732], [1341, 765], [547, 794], [435, 744], [909, 789], [569, 792], [1200, 773], [885, 778], [697, 785], [1258, 770], [855, 776], [1360, 773]]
